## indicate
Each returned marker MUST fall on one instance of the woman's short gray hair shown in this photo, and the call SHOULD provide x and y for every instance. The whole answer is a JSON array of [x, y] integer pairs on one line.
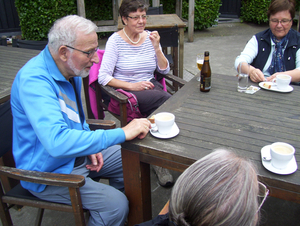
[[219, 189], [65, 30]]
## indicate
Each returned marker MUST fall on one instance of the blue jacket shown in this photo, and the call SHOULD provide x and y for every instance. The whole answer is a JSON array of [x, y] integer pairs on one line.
[[264, 49], [47, 132]]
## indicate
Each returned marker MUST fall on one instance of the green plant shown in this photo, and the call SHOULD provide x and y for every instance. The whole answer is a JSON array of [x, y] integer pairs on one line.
[[37, 16], [256, 10], [98, 10], [206, 11]]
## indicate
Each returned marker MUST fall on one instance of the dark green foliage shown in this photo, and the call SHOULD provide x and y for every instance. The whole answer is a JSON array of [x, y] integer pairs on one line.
[[169, 6], [96, 10], [37, 16], [256, 10], [206, 11]]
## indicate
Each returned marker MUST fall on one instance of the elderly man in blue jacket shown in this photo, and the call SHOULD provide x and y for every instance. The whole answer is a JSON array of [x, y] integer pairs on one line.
[[50, 133]]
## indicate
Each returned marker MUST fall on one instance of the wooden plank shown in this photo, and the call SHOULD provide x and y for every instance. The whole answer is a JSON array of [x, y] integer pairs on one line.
[[107, 28], [12, 60], [81, 8], [191, 20]]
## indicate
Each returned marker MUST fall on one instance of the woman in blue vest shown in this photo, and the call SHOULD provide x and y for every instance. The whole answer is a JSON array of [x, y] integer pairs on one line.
[[275, 50]]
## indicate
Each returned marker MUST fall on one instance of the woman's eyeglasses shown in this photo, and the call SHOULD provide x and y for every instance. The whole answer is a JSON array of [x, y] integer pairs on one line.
[[283, 22], [89, 54], [136, 18], [263, 192]]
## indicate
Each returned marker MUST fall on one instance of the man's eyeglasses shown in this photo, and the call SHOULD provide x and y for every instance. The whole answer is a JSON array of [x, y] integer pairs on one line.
[[263, 192], [136, 18], [283, 22], [89, 54]]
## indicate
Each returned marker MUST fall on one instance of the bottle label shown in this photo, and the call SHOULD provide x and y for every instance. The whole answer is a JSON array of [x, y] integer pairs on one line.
[[207, 83]]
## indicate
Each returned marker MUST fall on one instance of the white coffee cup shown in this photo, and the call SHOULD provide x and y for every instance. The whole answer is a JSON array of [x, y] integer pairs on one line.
[[164, 122], [282, 81], [281, 154]]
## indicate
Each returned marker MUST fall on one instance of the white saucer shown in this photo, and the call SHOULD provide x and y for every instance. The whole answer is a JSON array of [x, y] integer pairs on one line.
[[274, 87], [291, 168], [174, 132]]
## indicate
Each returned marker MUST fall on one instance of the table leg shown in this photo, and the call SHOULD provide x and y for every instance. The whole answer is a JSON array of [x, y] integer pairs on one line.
[[181, 45], [137, 187]]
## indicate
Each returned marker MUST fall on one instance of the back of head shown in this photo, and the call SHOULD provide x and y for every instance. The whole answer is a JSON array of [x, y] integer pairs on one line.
[[129, 6], [282, 5], [219, 189], [65, 30]]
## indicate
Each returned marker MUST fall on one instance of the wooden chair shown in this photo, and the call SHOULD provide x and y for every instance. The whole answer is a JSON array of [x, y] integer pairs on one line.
[[112, 93], [11, 191], [103, 93]]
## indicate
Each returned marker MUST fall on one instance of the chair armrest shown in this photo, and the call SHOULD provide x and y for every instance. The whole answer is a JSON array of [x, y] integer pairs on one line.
[[172, 78], [100, 124], [175, 79], [121, 98], [55, 179]]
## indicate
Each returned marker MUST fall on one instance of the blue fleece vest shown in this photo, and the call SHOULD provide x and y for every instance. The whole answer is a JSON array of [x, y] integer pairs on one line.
[[264, 49]]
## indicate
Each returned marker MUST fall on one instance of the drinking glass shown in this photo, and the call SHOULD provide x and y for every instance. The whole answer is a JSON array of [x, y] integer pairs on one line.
[[243, 75], [199, 60]]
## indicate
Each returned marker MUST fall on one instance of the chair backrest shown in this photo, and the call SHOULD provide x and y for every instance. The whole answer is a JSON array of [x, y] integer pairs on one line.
[[93, 95], [169, 38], [155, 10], [6, 127], [6, 157]]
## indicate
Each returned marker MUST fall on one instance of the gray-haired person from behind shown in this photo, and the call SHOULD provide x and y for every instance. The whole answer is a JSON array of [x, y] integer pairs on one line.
[[220, 189]]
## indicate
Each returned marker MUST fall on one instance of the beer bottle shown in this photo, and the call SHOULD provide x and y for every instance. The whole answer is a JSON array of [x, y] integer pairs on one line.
[[205, 82]]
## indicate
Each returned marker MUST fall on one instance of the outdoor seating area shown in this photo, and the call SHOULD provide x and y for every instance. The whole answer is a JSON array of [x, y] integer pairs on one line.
[[221, 118]]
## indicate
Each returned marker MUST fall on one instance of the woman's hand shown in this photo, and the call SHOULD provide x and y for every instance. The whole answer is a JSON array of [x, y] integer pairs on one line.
[[155, 38], [256, 75], [270, 79], [139, 86]]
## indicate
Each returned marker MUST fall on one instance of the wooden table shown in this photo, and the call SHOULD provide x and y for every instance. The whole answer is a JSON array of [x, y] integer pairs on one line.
[[220, 118], [11, 61], [166, 21]]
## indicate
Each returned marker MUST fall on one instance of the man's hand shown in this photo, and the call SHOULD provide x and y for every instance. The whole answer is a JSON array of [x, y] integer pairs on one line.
[[97, 162], [137, 128]]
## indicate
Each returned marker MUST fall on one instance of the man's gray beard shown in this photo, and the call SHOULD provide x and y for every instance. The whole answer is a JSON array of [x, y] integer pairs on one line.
[[81, 73]]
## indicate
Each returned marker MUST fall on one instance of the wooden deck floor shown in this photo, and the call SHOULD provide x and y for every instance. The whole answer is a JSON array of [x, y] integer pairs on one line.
[[11, 61]]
